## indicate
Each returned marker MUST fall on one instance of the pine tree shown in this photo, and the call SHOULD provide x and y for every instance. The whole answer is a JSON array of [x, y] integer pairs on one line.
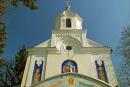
[[3, 10], [20, 61], [8, 78], [13, 72], [124, 51]]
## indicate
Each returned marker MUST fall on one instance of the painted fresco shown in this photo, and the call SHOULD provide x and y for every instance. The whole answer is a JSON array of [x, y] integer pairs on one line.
[[71, 80], [69, 66], [81, 84], [101, 71], [37, 72]]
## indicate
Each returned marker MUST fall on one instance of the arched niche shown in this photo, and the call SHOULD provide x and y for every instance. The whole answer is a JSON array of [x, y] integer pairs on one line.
[[69, 66]]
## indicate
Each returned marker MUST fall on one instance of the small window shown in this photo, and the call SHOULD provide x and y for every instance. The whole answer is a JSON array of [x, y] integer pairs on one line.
[[68, 48], [68, 23]]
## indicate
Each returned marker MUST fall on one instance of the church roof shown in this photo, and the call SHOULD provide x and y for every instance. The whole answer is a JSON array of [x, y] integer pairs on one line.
[[93, 43], [46, 43]]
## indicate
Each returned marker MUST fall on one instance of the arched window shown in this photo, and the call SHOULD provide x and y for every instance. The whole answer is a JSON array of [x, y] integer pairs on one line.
[[68, 23], [69, 66], [101, 72]]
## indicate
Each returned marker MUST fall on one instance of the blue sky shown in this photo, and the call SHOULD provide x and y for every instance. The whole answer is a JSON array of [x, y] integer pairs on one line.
[[103, 20]]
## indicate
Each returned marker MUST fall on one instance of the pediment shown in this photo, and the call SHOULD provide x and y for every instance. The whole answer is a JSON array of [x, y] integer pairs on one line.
[[46, 43], [92, 43]]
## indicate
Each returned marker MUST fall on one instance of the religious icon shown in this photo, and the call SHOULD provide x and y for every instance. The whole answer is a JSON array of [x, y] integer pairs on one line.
[[37, 75], [37, 72], [101, 71], [69, 66], [71, 81]]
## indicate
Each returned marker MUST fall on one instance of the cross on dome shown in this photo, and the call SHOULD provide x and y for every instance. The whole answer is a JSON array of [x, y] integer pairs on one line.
[[67, 4]]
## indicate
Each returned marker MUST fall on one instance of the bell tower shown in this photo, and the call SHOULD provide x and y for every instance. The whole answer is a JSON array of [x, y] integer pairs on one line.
[[68, 20], [68, 24]]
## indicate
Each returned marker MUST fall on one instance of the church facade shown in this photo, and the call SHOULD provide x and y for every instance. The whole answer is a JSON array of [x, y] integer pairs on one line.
[[68, 58]]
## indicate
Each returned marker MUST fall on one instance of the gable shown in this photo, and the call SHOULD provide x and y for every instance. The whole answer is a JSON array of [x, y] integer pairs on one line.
[[92, 43], [46, 43]]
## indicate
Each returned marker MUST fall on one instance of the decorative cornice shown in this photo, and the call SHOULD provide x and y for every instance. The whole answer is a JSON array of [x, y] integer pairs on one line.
[[40, 50], [67, 34], [43, 50], [95, 50], [84, 50], [69, 31]]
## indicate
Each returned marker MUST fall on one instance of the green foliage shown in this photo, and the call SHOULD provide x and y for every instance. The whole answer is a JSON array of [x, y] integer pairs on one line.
[[124, 47], [3, 61], [124, 74], [11, 74], [2, 36], [8, 78], [124, 51], [28, 3], [20, 61], [3, 6]]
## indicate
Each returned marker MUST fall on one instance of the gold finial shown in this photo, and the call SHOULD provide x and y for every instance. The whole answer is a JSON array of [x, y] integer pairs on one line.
[[67, 4]]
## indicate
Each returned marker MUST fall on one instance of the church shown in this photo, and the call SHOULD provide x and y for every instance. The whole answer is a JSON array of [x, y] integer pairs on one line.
[[69, 58]]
